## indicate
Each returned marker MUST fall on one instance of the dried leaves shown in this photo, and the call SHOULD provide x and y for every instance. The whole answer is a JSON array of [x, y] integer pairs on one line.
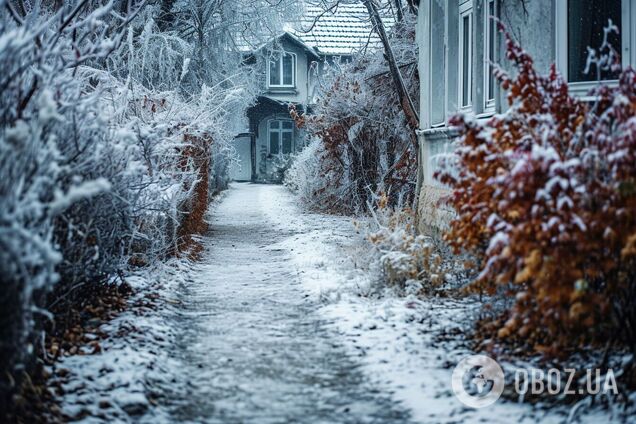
[[545, 196]]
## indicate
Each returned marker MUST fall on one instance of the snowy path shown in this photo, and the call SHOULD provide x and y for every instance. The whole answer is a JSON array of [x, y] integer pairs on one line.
[[275, 324], [252, 346]]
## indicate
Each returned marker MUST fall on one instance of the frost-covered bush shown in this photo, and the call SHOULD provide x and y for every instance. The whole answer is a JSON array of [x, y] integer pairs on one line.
[[545, 196], [278, 168], [412, 263], [49, 144], [35, 190], [367, 146], [92, 176], [316, 193]]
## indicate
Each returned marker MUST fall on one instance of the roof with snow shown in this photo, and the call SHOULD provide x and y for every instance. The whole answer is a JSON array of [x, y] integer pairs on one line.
[[340, 29], [289, 36], [331, 28]]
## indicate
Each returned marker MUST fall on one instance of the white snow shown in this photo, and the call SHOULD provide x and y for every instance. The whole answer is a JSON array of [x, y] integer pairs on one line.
[[82, 191], [400, 341], [406, 346], [112, 386]]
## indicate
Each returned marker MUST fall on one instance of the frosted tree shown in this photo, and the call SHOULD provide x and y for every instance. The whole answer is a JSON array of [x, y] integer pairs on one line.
[[114, 119], [366, 143]]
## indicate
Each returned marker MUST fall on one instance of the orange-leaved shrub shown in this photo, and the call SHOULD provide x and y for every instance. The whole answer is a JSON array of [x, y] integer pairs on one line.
[[545, 198], [195, 156]]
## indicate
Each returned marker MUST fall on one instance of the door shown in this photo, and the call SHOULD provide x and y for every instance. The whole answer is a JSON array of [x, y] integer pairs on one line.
[[242, 169]]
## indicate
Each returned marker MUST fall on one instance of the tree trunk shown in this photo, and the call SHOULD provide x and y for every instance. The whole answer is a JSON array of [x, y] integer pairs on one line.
[[398, 10], [412, 117], [406, 102]]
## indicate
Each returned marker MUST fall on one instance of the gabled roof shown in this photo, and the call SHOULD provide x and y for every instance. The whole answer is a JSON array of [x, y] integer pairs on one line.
[[339, 28], [293, 39], [330, 27]]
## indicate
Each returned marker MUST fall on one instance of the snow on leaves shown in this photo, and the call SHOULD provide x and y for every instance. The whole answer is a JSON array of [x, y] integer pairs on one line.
[[101, 108], [367, 146], [545, 196]]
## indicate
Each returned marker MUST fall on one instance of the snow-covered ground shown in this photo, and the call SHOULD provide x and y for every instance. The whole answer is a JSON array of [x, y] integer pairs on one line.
[[115, 385], [408, 346], [276, 323]]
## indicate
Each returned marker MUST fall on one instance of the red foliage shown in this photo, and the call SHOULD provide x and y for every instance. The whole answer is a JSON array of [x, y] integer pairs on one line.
[[545, 196], [365, 150], [196, 154]]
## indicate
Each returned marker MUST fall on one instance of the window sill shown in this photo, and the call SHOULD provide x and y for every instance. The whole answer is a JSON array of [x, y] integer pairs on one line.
[[282, 90], [581, 90], [485, 114], [277, 155], [466, 110], [438, 133]]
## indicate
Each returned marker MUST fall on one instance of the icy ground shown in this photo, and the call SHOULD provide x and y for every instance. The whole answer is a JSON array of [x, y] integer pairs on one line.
[[274, 324]]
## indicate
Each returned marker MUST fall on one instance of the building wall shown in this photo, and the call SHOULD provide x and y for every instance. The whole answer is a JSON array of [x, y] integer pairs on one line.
[[530, 22], [300, 93]]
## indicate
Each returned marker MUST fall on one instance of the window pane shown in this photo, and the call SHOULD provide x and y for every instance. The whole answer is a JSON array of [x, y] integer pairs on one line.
[[288, 125], [586, 20], [274, 142], [438, 74], [491, 50], [274, 72], [274, 124], [287, 142], [465, 60], [288, 69]]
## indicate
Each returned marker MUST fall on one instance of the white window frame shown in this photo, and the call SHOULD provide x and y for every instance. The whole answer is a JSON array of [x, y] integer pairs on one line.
[[279, 57], [280, 130], [489, 98], [465, 10], [432, 76], [628, 40]]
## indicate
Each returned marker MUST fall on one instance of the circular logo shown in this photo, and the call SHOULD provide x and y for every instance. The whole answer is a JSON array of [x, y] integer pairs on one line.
[[478, 381]]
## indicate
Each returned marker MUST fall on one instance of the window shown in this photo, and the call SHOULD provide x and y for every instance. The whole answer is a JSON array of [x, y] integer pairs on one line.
[[281, 136], [490, 46], [465, 55], [282, 70], [437, 62], [580, 24], [586, 22]]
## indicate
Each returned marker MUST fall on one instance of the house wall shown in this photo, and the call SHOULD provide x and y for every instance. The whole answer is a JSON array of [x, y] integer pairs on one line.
[[299, 94], [530, 22]]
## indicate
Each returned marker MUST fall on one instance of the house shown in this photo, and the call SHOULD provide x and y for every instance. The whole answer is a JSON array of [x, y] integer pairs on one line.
[[458, 43], [287, 69]]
